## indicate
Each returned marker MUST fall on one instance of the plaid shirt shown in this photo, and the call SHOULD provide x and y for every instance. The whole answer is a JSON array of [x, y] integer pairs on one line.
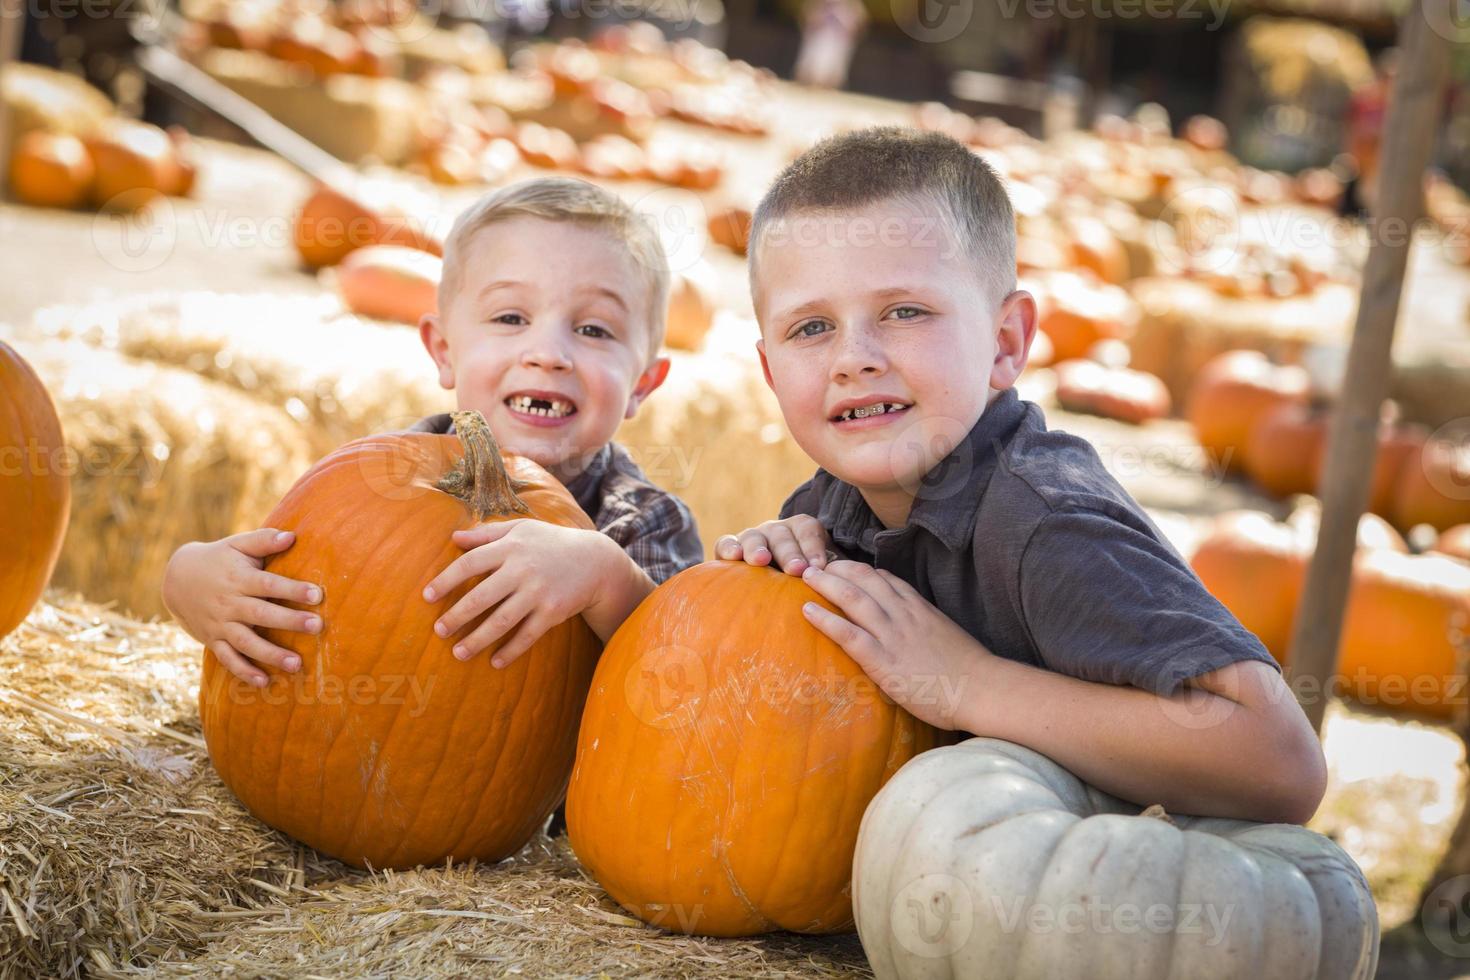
[[653, 526]]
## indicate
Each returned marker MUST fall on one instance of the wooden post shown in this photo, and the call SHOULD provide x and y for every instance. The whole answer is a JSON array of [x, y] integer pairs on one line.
[[12, 26], [1413, 114]]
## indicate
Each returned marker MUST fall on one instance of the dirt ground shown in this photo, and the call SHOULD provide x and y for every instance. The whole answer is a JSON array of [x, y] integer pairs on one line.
[[1396, 784]]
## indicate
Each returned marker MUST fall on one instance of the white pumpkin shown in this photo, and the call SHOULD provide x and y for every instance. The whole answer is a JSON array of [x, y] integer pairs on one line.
[[988, 860]]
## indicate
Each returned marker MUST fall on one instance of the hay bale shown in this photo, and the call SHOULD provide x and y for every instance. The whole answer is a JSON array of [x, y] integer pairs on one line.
[[118, 844], [1185, 323], [121, 852], [157, 457], [713, 434], [34, 97], [336, 375], [353, 117]]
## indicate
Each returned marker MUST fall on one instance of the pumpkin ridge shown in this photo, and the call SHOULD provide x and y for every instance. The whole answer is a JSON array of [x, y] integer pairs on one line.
[[498, 734], [428, 783], [323, 809]]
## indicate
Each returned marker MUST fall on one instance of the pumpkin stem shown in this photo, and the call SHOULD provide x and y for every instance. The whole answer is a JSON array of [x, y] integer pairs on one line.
[[1156, 810], [480, 479]]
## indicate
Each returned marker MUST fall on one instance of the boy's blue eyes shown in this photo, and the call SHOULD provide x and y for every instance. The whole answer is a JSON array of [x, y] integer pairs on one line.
[[803, 330]]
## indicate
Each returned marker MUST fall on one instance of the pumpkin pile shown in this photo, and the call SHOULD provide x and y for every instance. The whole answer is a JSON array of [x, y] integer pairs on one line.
[[1408, 616], [1261, 419], [384, 750], [723, 768], [35, 492], [95, 158]]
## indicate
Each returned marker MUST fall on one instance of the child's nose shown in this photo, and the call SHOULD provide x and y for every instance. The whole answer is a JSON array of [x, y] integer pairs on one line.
[[547, 358], [857, 354]]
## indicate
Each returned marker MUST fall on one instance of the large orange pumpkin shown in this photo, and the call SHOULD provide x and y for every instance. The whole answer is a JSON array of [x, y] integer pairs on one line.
[[35, 492], [1083, 312], [390, 282], [1232, 392], [1283, 451], [1287, 449], [384, 749], [1434, 486], [1256, 567], [50, 170], [724, 765], [333, 222], [134, 163], [1406, 633]]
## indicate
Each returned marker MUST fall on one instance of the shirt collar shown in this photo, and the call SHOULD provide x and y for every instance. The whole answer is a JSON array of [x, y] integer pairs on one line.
[[586, 486], [949, 495]]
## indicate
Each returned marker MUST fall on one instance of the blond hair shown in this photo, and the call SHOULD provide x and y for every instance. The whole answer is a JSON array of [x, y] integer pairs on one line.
[[883, 163], [577, 201]]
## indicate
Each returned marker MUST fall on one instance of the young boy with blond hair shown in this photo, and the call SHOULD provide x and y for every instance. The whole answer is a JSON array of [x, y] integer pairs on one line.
[[551, 316], [975, 552]]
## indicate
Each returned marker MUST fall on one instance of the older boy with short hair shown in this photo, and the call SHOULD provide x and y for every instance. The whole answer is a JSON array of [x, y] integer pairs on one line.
[[979, 554]]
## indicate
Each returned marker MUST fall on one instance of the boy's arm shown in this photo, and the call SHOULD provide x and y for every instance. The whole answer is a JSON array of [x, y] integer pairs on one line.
[[1230, 743]]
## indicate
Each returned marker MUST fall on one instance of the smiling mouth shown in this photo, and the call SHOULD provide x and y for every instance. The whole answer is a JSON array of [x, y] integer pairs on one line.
[[552, 408], [869, 411]]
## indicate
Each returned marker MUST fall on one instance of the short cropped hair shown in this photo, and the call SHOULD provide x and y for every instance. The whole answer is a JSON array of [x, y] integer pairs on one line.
[[577, 201], [850, 170]]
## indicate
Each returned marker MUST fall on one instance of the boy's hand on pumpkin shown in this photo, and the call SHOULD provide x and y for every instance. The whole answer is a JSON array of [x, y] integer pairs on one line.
[[792, 545], [219, 592], [537, 575], [916, 654]]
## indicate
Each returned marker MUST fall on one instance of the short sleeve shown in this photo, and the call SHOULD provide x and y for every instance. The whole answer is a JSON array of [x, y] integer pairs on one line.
[[1106, 601]]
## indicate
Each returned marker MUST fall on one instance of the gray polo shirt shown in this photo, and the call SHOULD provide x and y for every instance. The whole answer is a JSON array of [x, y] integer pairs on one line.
[[1023, 538]]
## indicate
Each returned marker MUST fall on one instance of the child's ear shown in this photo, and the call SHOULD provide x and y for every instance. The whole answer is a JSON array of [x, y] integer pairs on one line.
[[648, 383], [760, 348], [1015, 329], [433, 339]]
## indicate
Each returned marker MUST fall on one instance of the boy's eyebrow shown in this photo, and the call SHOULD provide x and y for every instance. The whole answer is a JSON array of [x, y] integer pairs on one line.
[[599, 290], [613, 295]]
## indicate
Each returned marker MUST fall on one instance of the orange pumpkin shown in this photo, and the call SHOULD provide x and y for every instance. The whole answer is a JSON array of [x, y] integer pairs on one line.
[[1434, 486], [1095, 248], [35, 492], [1083, 312], [134, 164], [390, 282], [1283, 451], [1256, 567], [186, 162], [1232, 392], [731, 228], [333, 222], [50, 170], [1406, 632], [1455, 542], [1112, 392], [691, 311], [722, 772], [384, 749]]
